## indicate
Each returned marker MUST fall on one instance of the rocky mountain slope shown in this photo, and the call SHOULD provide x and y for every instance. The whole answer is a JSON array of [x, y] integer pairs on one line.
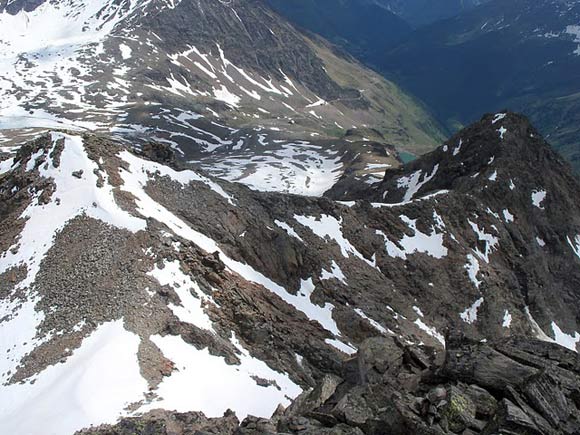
[[240, 80], [130, 283], [520, 54]]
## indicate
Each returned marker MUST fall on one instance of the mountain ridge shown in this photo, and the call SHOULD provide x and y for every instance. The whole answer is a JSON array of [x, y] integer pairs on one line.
[[271, 291]]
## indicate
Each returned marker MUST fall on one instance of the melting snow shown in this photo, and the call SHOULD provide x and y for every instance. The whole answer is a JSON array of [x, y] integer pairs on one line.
[[288, 229], [498, 117], [560, 337], [191, 309], [538, 196], [374, 323], [457, 149], [6, 165], [298, 168], [202, 379], [413, 182], [565, 340], [575, 245], [502, 131], [223, 94], [490, 242], [135, 181], [418, 311], [75, 197], [329, 228], [125, 51], [575, 32], [508, 216], [430, 244], [507, 319], [335, 273], [470, 314], [146, 167], [346, 348], [431, 331], [472, 268]]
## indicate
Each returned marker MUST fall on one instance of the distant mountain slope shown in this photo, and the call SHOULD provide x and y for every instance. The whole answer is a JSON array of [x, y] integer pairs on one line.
[[519, 54], [419, 13], [206, 77], [363, 28]]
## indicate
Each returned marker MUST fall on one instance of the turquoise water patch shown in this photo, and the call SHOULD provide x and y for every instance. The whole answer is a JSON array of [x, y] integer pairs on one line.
[[407, 157]]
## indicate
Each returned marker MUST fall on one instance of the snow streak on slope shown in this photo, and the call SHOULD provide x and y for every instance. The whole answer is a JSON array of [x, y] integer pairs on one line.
[[135, 181], [202, 379]]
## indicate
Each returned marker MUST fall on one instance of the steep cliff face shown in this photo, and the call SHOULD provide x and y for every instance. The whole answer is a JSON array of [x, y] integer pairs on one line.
[[139, 276]]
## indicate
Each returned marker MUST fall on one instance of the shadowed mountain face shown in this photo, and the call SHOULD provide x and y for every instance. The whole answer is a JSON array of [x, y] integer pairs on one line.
[[138, 275], [519, 54], [363, 28], [420, 13]]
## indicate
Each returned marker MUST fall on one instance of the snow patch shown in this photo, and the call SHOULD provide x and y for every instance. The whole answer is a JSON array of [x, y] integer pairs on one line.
[[190, 310], [94, 386], [201, 380], [335, 273], [565, 340], [470, 314], [508, 216], [431, 331], [288, 229], [538, 196], [502, 131], [498, 117], [373, 323], [575, 245], [329, 228], [414, 182], [507, 319], [472, 268], [490, 242]]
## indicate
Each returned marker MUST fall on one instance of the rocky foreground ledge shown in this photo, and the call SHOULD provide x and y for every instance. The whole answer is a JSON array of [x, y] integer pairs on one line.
[[514, 386]]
